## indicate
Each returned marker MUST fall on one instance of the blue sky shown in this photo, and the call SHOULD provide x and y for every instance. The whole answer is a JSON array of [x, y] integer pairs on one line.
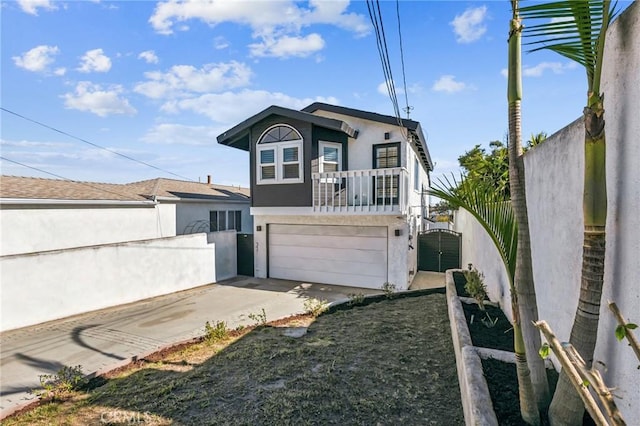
[[158, 81]]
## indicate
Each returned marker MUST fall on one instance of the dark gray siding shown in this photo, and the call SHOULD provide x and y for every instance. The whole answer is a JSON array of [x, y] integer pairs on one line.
[[292, 194], [288, 194]]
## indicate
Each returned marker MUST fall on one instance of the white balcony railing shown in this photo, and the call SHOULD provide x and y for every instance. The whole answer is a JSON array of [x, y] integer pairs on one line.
[[361, 191]]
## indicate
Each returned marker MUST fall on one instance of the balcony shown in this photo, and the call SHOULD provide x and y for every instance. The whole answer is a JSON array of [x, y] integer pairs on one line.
[[372, 191]]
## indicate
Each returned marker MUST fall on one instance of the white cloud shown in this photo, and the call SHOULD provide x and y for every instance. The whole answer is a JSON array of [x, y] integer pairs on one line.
[[182, 79], [60, 71], [232, 107], [383, 90], [149, 56], [538, 70], [95, 60], [269, 20], [448, 84], [30, 144], [102, 102], [32, 6], [220, 43], [179, 134], [37, 59], [469, 26], [287, 46]]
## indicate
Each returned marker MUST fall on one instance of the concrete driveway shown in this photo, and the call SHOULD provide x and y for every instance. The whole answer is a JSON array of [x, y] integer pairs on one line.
[[103, 340]]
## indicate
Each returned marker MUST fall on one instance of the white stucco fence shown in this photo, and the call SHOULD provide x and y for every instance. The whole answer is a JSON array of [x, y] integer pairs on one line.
[[39, 225], [554, 173], [44, 286], [226, 254]]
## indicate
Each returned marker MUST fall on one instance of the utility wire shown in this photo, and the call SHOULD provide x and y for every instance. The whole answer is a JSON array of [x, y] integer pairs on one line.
[[407, 109], [93, 144], [376, 21], [64, 178], [375, 15]]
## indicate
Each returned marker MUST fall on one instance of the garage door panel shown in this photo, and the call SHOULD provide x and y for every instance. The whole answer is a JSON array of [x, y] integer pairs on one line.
[[311, 253], [338, 266], [329, 230], [343, 255], [327, 277], [372, 243]]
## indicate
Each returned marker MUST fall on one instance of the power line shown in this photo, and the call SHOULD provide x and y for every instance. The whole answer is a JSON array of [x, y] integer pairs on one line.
[[62, 177], [376, 20], [408, 108], [94, 144], [375, 15]]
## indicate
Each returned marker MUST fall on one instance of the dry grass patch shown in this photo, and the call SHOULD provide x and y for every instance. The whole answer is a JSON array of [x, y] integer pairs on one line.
[[388, 362]]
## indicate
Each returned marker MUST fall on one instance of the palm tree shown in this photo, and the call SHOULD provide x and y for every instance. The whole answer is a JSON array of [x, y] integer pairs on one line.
[[578, 31], [493, 211], [523, 276]]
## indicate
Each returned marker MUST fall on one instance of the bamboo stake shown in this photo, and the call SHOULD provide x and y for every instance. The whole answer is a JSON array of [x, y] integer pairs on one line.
[[594, 378], [633, 342], [573, 375]]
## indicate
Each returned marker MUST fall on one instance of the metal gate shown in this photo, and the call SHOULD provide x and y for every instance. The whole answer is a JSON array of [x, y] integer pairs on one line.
[[245, 254], [439, 250]]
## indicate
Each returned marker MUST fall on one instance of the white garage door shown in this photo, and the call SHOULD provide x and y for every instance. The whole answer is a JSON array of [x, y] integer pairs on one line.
[[343, 255]]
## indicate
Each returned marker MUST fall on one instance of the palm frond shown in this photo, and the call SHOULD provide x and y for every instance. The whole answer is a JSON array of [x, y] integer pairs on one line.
[[573, 29], [490, 207]]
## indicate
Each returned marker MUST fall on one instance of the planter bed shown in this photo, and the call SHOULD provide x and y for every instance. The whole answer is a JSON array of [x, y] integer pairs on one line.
[[499, 377]]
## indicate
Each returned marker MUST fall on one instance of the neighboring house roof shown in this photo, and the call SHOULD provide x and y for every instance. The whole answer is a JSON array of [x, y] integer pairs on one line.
[[18, 188], [30, 188], [413, 126], [171, 189], [238, 136]]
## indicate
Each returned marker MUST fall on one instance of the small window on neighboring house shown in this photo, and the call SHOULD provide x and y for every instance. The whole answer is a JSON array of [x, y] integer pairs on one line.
[[416, 175], [225, 220], [279, 156], [213, 221]]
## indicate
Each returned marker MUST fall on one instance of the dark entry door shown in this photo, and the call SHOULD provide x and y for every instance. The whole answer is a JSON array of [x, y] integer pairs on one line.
[[439, 250], [245, 254]]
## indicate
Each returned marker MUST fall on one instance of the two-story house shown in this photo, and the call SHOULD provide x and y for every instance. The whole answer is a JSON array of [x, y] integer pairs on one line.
[[337, 194]]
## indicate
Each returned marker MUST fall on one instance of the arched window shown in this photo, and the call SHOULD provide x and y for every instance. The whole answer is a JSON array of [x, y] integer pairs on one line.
[[279, 156]]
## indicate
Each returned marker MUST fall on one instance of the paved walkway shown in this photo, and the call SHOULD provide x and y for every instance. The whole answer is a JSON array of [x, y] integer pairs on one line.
[[103, 340]]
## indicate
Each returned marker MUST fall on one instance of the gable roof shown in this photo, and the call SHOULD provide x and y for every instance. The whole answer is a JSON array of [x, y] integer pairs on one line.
[[49, 190], [31, 188], [238, 136], [412, 126], [172, 189]]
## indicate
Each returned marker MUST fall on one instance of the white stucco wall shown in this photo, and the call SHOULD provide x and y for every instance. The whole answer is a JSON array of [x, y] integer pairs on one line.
[[554, 173], [41, 287], [226, 253], [398, 247], [34, 228], [188, 212]]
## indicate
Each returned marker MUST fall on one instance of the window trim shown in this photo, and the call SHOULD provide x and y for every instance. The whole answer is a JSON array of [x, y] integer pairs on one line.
[[386, 145], [237, 219], [279, 162]]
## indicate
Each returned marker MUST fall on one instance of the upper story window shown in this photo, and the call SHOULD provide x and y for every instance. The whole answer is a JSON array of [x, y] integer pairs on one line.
[[279, 156], [330, 157], [416, 175]]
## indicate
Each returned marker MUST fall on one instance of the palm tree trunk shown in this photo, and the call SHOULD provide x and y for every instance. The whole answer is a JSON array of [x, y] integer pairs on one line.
[[524, 282], [566, 407], [523, 279], [528, 409]]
